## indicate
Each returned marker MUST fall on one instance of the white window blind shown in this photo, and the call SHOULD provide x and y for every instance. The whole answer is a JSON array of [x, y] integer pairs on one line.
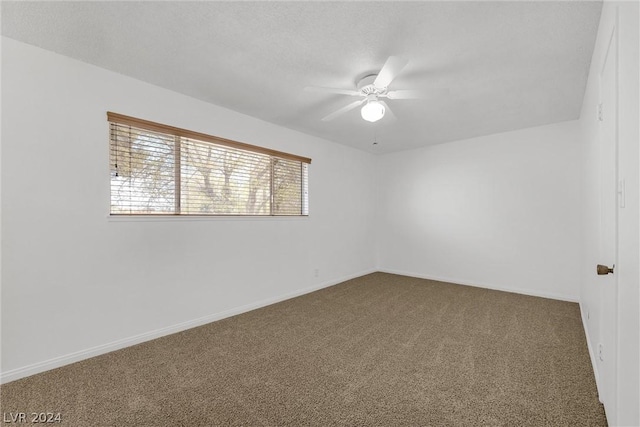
[[161, 170]]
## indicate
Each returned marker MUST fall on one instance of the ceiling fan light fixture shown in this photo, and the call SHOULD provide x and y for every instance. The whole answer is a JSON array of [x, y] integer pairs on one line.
[[372, 111]]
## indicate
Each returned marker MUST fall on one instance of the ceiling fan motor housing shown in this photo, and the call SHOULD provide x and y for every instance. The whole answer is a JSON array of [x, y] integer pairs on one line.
[[366, 87]]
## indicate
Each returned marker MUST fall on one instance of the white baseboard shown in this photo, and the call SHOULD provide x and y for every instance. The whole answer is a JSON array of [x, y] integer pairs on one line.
[[530, 292], [77, 356], [592, 354]]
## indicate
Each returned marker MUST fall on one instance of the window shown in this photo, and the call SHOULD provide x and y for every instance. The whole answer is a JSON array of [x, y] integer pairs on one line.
[[162, 170]]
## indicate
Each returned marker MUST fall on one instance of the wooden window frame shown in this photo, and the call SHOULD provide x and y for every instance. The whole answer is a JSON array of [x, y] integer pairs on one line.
[[171, 130], [178, 133]]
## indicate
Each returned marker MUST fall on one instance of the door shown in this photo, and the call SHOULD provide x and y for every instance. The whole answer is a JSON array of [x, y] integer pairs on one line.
[[608, 115]]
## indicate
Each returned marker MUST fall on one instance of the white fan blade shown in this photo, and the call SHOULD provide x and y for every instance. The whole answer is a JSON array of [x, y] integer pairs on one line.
[[343, 110], [389, 71], [416, 94], [388, 113], [332, 90]]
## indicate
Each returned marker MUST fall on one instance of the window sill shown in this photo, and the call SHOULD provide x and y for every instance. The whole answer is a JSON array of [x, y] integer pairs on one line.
[[169, 218]]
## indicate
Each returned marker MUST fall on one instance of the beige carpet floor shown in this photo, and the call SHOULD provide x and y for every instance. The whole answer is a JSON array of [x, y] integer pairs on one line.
[[379, 350]]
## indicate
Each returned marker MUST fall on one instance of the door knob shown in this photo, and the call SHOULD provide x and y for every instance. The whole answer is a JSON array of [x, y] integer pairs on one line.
[[604, 270]]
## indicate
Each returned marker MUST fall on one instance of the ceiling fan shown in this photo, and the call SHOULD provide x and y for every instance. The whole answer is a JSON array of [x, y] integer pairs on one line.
[[370, 89]]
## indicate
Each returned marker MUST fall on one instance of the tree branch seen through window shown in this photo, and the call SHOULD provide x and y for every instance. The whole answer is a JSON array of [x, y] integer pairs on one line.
[[153, 172]]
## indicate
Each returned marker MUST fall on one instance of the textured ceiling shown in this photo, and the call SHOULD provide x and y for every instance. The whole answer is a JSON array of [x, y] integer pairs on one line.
[[508, 65]]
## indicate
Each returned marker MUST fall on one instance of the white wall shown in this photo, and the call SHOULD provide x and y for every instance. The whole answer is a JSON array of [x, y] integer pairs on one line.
[[498, 211], [75, 281], [628, 268]]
